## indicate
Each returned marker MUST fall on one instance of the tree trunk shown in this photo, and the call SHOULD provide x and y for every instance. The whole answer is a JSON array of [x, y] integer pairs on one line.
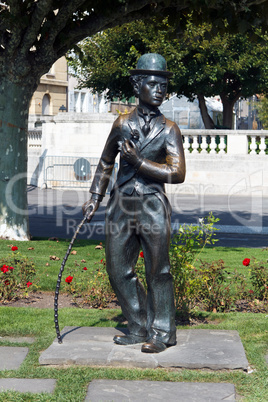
[[14, 106], [228, 109], [207, 120]]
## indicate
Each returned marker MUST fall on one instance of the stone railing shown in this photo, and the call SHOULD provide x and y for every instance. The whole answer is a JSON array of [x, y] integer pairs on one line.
[[221, 142], [200, 141], [34, 138], [258, 143]]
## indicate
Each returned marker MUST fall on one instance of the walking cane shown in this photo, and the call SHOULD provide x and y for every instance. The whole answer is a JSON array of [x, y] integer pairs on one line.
[[60, 275]]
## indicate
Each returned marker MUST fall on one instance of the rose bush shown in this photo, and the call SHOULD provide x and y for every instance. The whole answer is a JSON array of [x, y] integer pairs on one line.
[[17, 273], [92, 288], [259, 279]]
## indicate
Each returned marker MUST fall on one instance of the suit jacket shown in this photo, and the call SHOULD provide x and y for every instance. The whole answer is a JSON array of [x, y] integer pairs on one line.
[[161, 150]]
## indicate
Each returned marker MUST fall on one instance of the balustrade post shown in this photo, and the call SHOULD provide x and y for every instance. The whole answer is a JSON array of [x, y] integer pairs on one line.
[[213, 144], [262, 146], [222, 144], [195, 144], [204, 144], [186, 144], [253, 145]]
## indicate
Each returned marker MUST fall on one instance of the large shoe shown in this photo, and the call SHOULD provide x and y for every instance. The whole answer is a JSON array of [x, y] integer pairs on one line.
[[129, 339], [153, 346]]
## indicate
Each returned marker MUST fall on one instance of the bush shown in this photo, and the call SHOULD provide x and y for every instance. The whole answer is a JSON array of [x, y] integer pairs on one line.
[[16, 277], [219, 288], [259, 279], [92, 288], [186, 246]]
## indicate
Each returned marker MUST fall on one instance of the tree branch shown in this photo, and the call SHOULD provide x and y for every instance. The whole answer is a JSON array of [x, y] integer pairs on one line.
[[15, 7], [62, 19], [99, 22], [41, 9]]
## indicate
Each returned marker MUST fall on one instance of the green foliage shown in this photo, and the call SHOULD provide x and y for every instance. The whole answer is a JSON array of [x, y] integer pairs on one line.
[[187, 244], [16, 276], [204, 62], [219, 288], [262, 108], [91, 288], [140, 270], [259, 279], [103, 61]]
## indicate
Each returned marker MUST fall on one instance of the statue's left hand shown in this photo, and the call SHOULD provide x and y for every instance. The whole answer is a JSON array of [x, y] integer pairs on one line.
[[130, 152]]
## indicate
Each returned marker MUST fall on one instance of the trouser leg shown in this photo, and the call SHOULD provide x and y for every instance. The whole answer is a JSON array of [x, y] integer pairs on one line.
[[155, 240], [122, 251]]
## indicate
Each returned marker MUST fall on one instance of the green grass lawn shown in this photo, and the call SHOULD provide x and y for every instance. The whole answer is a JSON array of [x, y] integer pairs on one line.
[[72, 381], [47, 269], [233, 257]]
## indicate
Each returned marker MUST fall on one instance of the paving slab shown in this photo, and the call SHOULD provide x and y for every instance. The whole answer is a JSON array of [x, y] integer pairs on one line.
[[120, 390], [33, 385], [195, 349], [11, 357], [17, 339]]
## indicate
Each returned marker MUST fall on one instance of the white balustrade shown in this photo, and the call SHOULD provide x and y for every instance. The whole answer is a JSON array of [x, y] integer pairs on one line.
[[195, 144], [257, 143], [186, 144], [204, 145], [222, 144], [213, 144], [262, 146]]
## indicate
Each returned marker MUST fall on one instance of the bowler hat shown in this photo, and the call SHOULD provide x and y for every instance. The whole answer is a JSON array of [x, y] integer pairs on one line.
[[152, 63]]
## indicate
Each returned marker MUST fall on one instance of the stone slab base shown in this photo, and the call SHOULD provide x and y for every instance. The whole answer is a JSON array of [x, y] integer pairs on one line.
[[11, 357], [110, 390], [195, 349], [33, 385]]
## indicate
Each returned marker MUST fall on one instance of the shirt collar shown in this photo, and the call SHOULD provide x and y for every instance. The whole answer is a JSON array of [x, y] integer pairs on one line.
[[151, 114]]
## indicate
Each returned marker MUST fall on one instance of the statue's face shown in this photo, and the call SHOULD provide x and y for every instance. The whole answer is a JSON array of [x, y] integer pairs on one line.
[[152, 90]]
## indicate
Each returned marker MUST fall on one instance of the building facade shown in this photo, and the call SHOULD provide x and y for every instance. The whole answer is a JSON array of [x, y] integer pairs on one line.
[[51, 96]]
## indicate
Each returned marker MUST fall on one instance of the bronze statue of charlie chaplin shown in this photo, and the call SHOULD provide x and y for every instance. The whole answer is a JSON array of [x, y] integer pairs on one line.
[[138, 212]]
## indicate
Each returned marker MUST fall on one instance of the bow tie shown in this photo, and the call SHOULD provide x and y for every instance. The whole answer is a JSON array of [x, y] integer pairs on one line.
[[147, 116]]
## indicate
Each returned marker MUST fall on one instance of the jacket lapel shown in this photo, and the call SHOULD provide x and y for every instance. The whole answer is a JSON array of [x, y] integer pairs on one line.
[[158, 127], [134, 125]]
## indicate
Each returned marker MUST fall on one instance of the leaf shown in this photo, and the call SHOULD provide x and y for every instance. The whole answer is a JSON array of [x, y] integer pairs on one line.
[[74, 252], [83, 260], [30, 248], [53, 257], [99, 247]]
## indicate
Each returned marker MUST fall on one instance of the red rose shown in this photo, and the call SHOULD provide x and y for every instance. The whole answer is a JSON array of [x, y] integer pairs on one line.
[[6, 283], [251, 291], [14, 248], [29, 284], [4, 269], [141, 254], [11, 268], [69, 279], [101, 260], [246, 262], [85, 268]]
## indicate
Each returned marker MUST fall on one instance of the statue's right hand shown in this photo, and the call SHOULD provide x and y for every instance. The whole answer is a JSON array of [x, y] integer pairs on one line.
[[89, 208]]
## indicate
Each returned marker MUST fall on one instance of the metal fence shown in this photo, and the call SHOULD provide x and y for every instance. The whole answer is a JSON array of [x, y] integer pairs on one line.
[[72, 172]]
